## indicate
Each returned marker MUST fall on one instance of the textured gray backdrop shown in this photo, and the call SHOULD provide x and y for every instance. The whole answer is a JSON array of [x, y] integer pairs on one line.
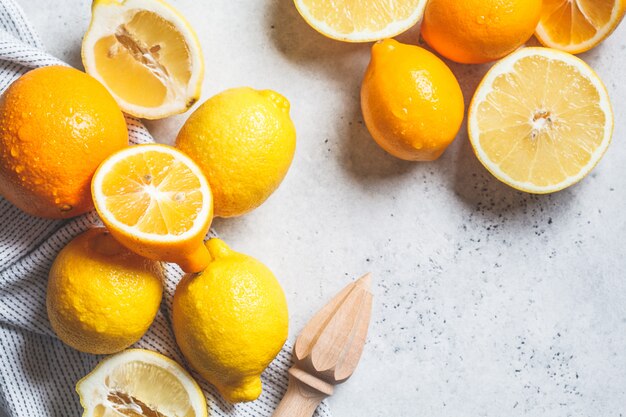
[[488, 302]]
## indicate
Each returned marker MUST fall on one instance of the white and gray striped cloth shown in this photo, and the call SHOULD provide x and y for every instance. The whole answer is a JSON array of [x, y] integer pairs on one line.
[[38, 372]]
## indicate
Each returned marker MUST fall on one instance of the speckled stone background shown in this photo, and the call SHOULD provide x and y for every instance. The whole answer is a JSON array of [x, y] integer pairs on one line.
[[488, 302]]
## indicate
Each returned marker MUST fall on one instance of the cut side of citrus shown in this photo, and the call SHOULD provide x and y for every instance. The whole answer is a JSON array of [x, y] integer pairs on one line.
[[146, 54], [540, 120], [361, 20], [576, 26], [156, 201], [140, 383]]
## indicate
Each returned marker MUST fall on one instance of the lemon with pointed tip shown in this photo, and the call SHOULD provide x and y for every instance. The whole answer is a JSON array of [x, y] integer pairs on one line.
[[244, 141], [411, 101], [230, 321]]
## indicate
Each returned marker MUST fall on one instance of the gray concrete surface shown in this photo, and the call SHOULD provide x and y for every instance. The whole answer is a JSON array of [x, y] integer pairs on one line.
[[488, 302]]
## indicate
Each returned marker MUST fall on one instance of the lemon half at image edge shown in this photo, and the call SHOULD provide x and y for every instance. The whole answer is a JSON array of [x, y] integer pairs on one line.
[[142, 383], [361, 21], [146, 54], [578, 26]]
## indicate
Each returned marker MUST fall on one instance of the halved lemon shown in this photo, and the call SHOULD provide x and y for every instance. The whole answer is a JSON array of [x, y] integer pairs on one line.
[[540, 120], [140, 383], [576, 26], [361, 20], [146, 54], [157, 202]]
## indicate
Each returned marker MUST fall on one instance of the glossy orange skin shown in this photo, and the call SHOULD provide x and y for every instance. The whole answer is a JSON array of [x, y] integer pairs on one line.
[[478, 31], [411, 101], [57, 124]]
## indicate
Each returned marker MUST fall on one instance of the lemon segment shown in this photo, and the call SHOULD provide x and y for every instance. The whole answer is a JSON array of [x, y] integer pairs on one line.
[[146, 54], [540, 120], [361, 20], [140, 383], [577, 26]]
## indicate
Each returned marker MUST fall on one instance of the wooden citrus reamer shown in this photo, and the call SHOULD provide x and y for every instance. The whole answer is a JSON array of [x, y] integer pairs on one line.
[[328, 350]]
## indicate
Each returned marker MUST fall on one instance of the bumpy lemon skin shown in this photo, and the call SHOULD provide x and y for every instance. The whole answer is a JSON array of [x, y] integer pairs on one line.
[[412, 103], [244, 140], [479, 31], [230, 321], [57, 124], [101, 297]]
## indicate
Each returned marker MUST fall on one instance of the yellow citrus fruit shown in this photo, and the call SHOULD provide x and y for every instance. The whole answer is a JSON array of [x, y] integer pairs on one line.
[[244, 141], [411, 102], [477, 31], [540, 120], [578, 26], [156, 201], [146, 54], [230, 321], [57, 125], [361, 20], [101, 297], [140, 383]]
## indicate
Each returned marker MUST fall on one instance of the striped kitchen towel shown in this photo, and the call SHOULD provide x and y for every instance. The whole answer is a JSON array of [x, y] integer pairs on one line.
[[38, 372]]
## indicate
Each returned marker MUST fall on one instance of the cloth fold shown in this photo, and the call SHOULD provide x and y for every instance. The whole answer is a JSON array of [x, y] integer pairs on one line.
[[38, 373]]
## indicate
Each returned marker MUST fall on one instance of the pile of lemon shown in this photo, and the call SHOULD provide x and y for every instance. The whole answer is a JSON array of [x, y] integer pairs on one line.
[[64, 150], [540, 120]]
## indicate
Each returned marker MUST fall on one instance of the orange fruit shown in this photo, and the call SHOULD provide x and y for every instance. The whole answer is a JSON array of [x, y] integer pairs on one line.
[[540, 120], [477, 31], [57, 124], [576, 27], [361, 21], [157, 202], [411, 101]]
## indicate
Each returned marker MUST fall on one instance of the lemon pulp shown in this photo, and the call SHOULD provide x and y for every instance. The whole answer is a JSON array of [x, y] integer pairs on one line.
[[577, 26], [140, 383], [145, 60], [153, 192], [543, 122], [361, 20]]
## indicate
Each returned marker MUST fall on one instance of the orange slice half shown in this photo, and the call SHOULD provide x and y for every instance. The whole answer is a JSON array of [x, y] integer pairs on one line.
[[576, 26], [156, 201]]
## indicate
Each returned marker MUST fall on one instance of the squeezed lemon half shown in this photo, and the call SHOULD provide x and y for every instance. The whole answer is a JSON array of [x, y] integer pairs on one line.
[[140, 383], [146, 54]]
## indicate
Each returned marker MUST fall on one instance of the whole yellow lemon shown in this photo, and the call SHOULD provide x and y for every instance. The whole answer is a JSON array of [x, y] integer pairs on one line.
[[57, 124], [412, 103], [230, 321], [102, 297], [244, 141]]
